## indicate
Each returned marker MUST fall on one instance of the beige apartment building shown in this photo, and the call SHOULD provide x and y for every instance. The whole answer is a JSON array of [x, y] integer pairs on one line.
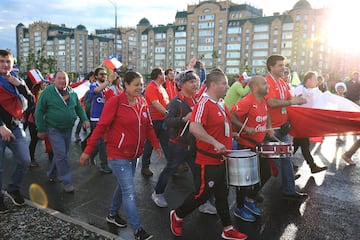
[[236, 37]]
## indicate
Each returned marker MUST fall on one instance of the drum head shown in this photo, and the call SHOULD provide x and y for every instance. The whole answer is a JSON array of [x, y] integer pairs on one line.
[[241, 153]]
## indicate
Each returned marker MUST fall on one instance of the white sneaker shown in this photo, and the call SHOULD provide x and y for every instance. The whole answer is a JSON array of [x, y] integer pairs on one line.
[[207, 208], [159, 200]]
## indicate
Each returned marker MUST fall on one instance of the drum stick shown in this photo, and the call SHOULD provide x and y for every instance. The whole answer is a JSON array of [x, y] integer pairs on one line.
[[268, 129], [241, 150], [276, 139], [243, 126], [186, 125], [273, 128]]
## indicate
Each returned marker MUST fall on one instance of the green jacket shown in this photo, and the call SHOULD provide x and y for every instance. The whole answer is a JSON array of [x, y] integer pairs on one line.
[[51, 110]]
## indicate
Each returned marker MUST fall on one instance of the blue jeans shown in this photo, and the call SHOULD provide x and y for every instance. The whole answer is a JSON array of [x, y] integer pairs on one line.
[[60, 142], [125, 190], [19, 148], [177, 154], [100, 148], [162, 134], [285, 167]]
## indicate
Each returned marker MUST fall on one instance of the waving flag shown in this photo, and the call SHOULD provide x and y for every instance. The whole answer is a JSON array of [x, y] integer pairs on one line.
[[81, 88], [112, 62], [329, 115], [35, 76]]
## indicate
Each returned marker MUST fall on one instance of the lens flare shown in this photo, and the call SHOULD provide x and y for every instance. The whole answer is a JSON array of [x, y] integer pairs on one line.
[[38, 195]]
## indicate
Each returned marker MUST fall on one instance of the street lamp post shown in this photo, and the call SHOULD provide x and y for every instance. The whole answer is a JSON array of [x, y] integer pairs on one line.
[[113, 2]]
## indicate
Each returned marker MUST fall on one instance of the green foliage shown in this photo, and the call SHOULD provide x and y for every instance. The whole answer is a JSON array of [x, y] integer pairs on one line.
[[45, 64]]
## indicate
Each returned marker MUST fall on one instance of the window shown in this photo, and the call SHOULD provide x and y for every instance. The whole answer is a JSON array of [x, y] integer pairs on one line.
[[205, 48], [206, 33], [144, 44], [205, 40], [160, 36], [261, 36], [206, 18], [180, 34], [288, 26], [260, 54], [234, 30], [234, 71], [260, 45], [233, 55], [258, 62], [233, 47], [159, 56], [234, 39], [160, 49], [287, 35], [261, 28], [286, 44], [180, 42], [180, 49], [180, 56], [206, 25], [233, 62]]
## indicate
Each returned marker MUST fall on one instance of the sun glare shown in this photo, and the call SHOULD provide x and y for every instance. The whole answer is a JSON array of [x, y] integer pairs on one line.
[[343, 32]]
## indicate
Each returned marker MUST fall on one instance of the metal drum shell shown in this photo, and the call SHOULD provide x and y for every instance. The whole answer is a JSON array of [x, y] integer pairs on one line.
[[242, 167], [276, 150]]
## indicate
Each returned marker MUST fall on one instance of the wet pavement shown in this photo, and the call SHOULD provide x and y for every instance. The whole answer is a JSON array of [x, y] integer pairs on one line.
[[332, 210]]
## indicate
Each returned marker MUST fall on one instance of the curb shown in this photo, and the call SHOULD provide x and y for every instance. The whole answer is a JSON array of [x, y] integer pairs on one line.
[[74, 221]]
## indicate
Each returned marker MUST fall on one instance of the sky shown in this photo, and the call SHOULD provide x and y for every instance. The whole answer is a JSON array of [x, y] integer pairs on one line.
[[100, 14]]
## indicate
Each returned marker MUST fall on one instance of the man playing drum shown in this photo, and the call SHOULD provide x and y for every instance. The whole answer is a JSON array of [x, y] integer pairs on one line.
[[251, 115], [278, 99], [210, 123]]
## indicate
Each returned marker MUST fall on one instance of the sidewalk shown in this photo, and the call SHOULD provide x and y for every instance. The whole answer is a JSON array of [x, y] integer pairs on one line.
[[32, 222]]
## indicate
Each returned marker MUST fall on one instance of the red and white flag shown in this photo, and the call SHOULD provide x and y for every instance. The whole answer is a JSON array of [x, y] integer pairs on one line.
[[328, 115], [35, 76], [80, 88], [112, 63]]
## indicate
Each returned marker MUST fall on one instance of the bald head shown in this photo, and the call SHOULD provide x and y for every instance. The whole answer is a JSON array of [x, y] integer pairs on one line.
[[258, 85]]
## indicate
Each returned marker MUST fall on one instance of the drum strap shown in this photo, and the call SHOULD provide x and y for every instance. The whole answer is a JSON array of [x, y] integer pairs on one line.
[[212, 155]]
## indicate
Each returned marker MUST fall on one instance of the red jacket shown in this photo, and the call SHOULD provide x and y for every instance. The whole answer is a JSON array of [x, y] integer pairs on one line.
[[124, 128]]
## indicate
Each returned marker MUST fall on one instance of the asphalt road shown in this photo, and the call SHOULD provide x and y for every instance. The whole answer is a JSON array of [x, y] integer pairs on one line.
[[332, 210]]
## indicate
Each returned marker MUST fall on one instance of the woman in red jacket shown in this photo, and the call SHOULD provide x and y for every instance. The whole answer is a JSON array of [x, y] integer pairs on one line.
[[125, 123]]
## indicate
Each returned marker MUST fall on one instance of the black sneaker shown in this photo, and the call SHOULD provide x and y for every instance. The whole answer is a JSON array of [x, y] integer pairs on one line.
[[140, 234], [16, 197], [105, 170], [116, 220], [3, 208]]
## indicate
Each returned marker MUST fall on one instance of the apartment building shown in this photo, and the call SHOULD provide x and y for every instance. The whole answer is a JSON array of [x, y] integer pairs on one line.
[[236, 37]]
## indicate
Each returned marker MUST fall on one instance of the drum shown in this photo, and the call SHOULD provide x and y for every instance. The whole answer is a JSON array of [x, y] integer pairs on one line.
[[276, 150], [242, 168]]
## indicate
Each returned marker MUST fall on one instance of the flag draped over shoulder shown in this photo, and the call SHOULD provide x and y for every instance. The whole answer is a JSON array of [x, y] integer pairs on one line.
[[10, 99], [329, 115]]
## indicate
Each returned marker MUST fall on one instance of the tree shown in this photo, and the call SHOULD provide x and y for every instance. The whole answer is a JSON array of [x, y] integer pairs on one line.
[[39, 61]]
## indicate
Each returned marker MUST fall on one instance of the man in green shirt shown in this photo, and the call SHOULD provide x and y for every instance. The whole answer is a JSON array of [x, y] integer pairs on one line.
[[55, 115]]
